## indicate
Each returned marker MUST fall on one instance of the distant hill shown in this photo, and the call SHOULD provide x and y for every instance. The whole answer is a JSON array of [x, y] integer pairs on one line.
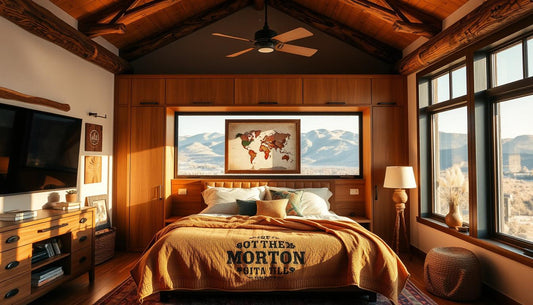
[[454, 149], [320, 147]]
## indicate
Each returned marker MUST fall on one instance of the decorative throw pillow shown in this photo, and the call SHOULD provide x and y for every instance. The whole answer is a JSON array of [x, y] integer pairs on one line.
[[294, 198], [217, 195], [272, 208], [247, 207]]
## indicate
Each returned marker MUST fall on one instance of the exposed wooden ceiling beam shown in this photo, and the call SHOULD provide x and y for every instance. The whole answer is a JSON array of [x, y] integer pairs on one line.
[[398, 20], [182, 29], [492, 16], [39, 21], [327, 25], [96, 30]]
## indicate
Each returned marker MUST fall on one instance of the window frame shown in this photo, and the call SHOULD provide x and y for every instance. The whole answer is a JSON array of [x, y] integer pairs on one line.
[[361, 131], [481, 159]]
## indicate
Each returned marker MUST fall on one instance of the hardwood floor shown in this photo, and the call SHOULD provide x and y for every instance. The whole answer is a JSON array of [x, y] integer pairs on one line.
[[113, 272]]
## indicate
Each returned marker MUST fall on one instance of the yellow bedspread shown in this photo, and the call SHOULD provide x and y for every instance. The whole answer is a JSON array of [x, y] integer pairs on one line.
[[261, 253]]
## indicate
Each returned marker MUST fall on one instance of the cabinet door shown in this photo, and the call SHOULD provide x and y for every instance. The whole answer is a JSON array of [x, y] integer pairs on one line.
[[272, 91], [388, 91], [337, 91], [199, 91], [389, 147], [147, 92], [146, 175]]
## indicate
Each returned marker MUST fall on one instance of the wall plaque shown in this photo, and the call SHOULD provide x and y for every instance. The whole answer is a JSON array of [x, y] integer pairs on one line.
[[93, 137]]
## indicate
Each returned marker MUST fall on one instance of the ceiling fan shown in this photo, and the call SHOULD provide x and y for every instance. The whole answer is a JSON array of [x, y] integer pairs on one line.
[[266, 41]]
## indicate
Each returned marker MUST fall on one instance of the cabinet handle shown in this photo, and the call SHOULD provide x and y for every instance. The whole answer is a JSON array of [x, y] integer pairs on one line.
[[202, 103], [335, 103], [12, 265], [160, 192], [52, 228], [149, 103], [83, 220], [11, 293], [387, 103], [12, 239], [267, 103], [82, 259], [83, 238], [375, 192]]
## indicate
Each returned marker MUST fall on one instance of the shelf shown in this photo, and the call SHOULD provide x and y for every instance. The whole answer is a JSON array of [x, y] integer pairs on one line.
[[38, 291], [49, 260]]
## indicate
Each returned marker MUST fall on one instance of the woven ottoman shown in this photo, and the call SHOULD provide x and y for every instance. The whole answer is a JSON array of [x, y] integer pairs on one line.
[[453, 273]]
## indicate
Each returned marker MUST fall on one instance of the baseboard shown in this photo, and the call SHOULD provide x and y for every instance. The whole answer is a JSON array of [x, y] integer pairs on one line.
[[486, 290]]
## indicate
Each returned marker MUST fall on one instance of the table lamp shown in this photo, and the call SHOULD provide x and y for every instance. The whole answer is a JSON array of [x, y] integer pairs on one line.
[[399, 178]]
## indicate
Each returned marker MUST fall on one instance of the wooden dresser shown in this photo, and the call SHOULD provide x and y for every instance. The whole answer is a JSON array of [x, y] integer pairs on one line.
[[74, 230]]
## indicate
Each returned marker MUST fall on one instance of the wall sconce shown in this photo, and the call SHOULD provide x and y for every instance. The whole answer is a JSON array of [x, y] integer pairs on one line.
[[94, 114]]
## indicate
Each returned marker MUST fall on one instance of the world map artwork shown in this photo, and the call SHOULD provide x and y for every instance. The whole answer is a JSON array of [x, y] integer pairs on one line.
[[267, 143], [262, 149]]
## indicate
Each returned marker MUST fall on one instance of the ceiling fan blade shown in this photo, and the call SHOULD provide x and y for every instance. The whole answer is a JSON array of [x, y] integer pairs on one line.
[[297, 33], [239, 53], [232, 37], [289, 48]]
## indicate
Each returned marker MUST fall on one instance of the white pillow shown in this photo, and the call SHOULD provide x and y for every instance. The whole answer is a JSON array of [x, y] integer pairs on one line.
[[217, 195], [322, 192], [230, 208], [312, 204]]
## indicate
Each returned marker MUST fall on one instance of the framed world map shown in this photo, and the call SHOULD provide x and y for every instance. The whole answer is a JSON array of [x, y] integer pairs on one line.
[[262, 146]]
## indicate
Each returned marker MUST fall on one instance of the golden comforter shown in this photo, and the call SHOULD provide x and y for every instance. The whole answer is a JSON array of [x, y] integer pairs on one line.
[[261, 253]]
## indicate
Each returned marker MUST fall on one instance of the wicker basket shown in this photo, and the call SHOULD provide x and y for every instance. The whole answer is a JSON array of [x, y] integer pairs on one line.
[[104, 245]]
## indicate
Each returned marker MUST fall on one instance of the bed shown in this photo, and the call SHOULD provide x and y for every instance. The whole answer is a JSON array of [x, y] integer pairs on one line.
[[266, 238]]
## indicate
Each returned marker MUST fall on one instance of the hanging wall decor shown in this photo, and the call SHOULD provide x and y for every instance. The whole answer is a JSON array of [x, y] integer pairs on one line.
[[93, 169], [93, 137]]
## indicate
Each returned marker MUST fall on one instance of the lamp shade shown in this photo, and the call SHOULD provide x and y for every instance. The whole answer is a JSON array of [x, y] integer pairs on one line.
[[399, 177]]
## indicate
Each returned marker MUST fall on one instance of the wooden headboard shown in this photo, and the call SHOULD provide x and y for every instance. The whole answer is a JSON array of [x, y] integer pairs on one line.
[[187, 198]]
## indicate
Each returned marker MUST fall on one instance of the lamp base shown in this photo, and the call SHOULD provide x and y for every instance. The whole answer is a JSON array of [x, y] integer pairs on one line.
[[400, 198]]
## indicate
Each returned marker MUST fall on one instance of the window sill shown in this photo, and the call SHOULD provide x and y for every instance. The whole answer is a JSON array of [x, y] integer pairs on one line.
[[513, 253]]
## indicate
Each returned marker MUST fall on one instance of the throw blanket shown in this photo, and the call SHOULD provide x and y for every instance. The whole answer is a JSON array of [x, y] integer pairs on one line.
[[261, 253]]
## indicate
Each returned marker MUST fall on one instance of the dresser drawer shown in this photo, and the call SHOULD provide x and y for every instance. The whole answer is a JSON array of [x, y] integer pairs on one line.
[[15, 289], [81, 261], [84, 221], [81, 239], [15, 262]]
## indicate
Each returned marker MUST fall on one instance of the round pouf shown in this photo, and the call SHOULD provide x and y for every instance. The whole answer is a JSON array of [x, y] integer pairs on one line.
[[453, 273]]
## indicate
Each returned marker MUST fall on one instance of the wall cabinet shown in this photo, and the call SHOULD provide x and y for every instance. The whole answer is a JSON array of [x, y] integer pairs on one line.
[[19, 240], [388, 148], [268, 91], [389, 91], [199, 91], [147, 92], [337, 91]]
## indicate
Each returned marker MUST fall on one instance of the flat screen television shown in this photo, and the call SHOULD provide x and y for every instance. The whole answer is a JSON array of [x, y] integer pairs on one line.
[[38, 150]]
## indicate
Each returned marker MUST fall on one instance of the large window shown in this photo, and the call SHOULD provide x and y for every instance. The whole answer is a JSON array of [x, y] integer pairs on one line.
[[330, 144], [449, 143], [476, 148]]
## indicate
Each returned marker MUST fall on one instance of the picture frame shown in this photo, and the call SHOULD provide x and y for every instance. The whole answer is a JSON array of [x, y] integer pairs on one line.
[[93, 137], [262, 146], [102, 220]]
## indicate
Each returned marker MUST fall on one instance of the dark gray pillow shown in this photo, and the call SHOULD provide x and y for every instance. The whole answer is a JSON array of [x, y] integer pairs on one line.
[[247, 207]]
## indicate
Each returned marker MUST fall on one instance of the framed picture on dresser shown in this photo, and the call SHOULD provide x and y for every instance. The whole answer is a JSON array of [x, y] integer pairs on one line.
[[102, 220]]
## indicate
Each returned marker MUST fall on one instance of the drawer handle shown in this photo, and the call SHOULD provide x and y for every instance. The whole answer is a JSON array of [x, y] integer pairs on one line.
[[387, 103], [12, 239], [12, 265], [83, 238], [11, 293], [52, 228], [202, 103], [267, 103], [149, 103], [83, 220], [335, 103], [82, 259]]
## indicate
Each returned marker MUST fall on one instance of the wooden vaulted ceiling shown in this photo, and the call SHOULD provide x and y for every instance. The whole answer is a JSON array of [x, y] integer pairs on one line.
[[382, 28]]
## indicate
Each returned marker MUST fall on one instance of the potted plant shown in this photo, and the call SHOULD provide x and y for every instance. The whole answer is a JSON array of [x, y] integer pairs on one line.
[[71, 196], [453, 189]]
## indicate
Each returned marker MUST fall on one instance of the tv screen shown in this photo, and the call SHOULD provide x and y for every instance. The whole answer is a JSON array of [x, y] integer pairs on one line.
[[38, 150]]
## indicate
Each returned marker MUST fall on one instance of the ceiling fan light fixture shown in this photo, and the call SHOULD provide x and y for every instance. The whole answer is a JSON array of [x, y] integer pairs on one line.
[[265, 47]]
